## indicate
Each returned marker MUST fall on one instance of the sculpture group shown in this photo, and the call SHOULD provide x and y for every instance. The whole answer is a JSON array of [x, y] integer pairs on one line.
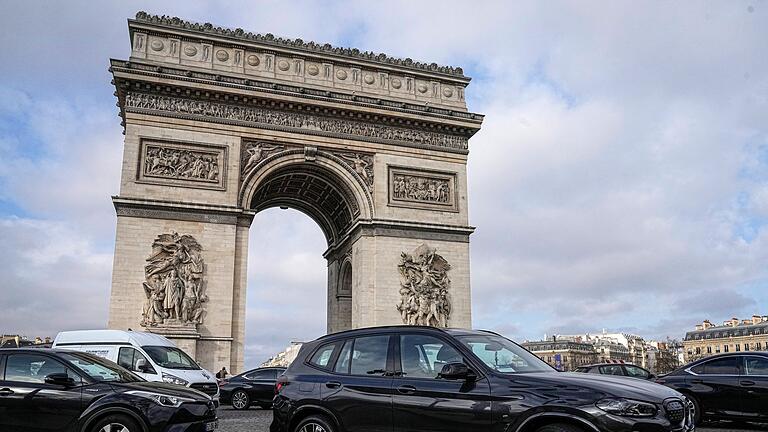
[[424, 284], [174, 282], [414, 188], [179, 163]]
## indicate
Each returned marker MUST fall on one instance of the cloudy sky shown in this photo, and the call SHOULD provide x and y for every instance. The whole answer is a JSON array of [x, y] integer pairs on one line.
[[619, 180]]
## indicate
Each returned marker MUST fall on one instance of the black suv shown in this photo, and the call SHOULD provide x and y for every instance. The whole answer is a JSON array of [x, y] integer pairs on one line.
[[731, 386], [60, 390], [407, 378]]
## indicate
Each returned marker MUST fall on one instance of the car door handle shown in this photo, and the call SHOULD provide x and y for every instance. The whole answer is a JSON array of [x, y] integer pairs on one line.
[[406, 389], [747, 383], [333, 384], [6, 392]]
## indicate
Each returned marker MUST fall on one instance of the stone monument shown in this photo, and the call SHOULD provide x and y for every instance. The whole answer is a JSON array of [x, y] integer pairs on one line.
[[222, 123]]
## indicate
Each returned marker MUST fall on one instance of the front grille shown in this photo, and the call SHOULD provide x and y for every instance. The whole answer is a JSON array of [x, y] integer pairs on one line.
[[675, 410], [207, 388]]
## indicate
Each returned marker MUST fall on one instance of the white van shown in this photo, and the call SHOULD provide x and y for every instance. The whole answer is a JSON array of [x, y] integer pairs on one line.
[[151, 356]]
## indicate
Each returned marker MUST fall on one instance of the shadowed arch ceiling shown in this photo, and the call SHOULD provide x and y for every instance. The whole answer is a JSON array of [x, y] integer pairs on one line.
[[312, 190]]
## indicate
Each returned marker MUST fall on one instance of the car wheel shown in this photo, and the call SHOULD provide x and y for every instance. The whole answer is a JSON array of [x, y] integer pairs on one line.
[[696, 410], [314, 424], [559, 427], [240, 400], [116, 423]]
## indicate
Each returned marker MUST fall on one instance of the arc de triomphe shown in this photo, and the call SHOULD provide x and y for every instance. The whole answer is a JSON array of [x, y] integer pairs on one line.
[[221, 124]]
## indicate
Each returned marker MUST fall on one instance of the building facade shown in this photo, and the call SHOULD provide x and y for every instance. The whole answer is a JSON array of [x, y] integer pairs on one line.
[[733, 335], [564, 355]]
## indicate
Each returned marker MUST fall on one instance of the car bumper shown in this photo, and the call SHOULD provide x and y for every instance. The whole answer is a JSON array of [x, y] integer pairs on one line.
[[662, 422], [199, 426]]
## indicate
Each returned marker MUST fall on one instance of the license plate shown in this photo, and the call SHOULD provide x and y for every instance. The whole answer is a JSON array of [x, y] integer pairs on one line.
[[212, 425]]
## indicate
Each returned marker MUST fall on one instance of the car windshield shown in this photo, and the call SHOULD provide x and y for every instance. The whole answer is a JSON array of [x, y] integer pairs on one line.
[[503, 355], [100, 369], [170, 357]]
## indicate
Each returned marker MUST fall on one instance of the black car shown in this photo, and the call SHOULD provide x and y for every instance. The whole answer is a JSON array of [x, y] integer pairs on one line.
[[257, 386], [60, 390], [731, 386], [617, 369], [408, 378]]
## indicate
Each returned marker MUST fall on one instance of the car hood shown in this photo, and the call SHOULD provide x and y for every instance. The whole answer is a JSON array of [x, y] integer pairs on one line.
[[600, 385], [163, 388], [192, 376]]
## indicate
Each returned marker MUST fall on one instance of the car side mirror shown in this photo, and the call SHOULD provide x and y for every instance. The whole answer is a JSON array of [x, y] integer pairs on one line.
[[141, 365], [457, 371], [60, 379]]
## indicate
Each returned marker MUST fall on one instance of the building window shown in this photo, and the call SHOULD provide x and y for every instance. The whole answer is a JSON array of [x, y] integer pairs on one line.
[[717, 349], [738, 347], [746, 346], [698, 350], [725, 348], [709, 350], [758, 346]]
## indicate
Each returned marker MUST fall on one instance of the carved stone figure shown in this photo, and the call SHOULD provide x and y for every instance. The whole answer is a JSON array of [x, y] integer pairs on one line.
[[254, 152], [293, 120], [362, 164], [175, 163], [174, 282], [423, 189], [424, 284]]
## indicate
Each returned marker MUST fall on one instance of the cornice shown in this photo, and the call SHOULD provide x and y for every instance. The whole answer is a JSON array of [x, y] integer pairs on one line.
[[298, 44], [225, 81]]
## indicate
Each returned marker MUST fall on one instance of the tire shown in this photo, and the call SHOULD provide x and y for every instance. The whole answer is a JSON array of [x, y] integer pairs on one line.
[[315, 423], [697, 407], [240, 400], [116, 423], [559, 427]]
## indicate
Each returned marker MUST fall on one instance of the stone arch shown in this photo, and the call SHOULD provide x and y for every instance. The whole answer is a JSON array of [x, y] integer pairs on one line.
[[321, 168]]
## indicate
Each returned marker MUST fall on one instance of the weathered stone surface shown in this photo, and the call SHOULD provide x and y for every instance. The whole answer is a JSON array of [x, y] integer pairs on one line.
[[217, 132]]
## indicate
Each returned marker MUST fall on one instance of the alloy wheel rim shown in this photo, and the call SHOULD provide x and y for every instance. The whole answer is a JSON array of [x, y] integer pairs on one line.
[[114, 427], [313, 427], [238, 400]]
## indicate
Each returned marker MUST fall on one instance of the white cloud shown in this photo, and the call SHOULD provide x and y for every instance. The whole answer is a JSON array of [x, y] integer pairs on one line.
[[619, 179]]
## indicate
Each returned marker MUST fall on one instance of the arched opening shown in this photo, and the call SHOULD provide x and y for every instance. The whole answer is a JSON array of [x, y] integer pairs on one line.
[[329, 200]]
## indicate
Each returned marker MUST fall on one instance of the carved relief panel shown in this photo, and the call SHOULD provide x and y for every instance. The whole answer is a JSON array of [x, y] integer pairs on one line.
[[433, 190], [182, 164]]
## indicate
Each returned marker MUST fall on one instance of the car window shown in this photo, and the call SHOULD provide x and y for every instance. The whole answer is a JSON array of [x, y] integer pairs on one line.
[[323, 355], [100, 369], [423, 356], [342, 364], [369, 355], [171, 357], [722, 366], [129, 358], [268, 374], [503, 355], [636, 372], [32, 368], [611, 370], [756, 366]]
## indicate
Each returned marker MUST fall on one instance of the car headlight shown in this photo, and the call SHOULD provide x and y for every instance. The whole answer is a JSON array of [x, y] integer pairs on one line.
[[173, 379], [161, 399], [627, 407]]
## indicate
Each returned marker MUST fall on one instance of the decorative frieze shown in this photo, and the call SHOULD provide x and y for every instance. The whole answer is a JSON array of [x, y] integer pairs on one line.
[[174, 283], [424, 285], [182, 164], [422, 189], [288, 120]]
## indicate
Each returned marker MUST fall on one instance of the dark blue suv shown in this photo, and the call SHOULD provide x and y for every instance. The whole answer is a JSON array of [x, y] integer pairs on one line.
[[406, 378]]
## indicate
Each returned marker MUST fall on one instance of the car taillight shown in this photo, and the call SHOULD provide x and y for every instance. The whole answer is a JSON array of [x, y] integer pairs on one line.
[[281, 382]]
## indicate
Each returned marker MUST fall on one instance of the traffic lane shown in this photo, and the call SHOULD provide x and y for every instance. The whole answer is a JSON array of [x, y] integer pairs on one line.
[[258, 420]]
